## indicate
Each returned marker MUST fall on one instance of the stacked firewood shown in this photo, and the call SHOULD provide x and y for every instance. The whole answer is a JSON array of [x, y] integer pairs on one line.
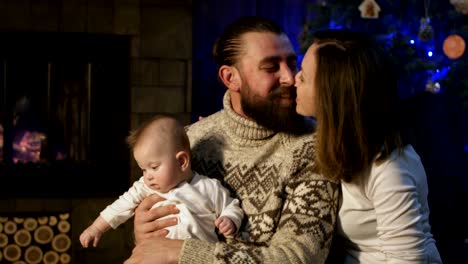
[[35, 239]]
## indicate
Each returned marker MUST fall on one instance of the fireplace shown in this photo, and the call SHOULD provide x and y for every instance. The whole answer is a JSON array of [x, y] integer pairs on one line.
[[64, 114]]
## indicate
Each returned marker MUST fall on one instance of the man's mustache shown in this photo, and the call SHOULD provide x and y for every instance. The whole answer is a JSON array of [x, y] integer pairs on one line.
[[281, 91]]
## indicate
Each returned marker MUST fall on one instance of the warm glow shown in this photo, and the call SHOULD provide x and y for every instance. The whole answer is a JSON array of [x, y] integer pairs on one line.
[[28, 147]]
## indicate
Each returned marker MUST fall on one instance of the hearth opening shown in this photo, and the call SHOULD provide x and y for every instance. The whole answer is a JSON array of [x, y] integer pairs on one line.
[[64, 114]]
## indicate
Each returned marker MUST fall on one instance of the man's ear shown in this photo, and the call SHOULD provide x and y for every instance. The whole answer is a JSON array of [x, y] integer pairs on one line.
[[184, 160], [230, 76]]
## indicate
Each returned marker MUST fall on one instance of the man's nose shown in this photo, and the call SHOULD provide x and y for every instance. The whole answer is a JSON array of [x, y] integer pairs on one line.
[[287, 76]]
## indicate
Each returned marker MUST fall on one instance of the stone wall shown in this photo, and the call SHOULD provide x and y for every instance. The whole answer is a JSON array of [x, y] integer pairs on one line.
[[161, 62]]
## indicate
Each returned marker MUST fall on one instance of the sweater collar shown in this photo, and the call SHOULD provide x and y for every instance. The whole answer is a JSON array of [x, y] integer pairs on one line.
[[241, 128]]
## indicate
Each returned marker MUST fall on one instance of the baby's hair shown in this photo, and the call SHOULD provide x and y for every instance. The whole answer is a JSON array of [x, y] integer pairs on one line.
[[175, 132]]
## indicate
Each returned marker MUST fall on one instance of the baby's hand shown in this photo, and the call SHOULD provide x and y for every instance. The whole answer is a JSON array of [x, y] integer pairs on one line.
[[225, 225], [91, 234]]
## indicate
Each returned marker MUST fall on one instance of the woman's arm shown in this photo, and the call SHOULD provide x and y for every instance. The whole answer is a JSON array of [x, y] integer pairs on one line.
[[397, 191]]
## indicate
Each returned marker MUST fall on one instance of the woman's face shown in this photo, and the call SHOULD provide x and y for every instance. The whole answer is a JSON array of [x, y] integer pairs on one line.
[[305, 83]]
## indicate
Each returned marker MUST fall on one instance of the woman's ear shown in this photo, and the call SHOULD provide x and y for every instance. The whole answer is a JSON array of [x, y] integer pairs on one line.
[[230, 76], [184, 160]]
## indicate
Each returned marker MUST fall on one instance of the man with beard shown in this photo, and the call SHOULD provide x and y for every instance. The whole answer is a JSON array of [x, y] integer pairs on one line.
[[262, 151]]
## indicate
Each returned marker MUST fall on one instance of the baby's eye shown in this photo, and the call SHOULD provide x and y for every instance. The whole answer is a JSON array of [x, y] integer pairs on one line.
[[154, 167]]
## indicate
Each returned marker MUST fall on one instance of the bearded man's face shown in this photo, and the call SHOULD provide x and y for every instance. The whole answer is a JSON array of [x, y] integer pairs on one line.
[[271, 112]]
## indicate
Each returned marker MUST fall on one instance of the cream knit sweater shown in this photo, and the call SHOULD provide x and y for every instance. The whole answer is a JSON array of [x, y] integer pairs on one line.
[[290, 211]]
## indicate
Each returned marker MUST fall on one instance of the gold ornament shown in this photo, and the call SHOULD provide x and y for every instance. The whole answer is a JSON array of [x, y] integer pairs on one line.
[[454, 46]]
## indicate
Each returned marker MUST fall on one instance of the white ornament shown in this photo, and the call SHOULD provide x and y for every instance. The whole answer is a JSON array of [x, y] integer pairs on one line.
[[426, 32], [369, 9], [432, 87], [460, 5]]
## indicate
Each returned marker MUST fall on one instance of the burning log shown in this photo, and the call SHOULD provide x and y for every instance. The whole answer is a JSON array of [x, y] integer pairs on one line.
[[28, 147]]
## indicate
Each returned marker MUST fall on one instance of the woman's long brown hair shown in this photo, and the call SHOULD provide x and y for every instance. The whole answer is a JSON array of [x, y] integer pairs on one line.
[[357, 98]]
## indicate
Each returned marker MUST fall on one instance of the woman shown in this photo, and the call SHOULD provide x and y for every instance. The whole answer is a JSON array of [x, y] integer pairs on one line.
[[348, 85]]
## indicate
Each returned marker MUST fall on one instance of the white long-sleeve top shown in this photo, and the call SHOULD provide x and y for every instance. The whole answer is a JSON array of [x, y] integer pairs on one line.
[[200, 202], [385, 217]]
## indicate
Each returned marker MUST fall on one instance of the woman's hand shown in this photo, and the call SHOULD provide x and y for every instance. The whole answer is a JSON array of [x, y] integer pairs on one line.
[[147, 223], [156, 250]]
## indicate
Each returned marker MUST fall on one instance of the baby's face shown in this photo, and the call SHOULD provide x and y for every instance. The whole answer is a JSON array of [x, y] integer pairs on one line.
[[161, 169]]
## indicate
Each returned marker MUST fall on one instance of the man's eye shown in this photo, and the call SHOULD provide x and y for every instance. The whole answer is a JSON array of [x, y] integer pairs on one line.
[[292, 63], [293, 67], [271, 68]]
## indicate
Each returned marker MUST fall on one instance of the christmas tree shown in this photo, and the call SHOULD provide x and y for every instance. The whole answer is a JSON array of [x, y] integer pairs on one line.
[[425, 37]]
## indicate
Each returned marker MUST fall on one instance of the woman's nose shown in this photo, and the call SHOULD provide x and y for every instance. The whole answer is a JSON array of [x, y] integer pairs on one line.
[[296, 77]]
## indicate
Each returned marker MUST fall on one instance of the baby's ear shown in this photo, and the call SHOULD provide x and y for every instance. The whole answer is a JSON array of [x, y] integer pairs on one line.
[[184, 160]]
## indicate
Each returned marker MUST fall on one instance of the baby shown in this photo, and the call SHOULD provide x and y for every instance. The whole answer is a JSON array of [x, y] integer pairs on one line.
[[162, 150]]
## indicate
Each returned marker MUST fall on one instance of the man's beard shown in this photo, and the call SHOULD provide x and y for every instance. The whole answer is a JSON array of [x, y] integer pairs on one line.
[[269, 112]]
